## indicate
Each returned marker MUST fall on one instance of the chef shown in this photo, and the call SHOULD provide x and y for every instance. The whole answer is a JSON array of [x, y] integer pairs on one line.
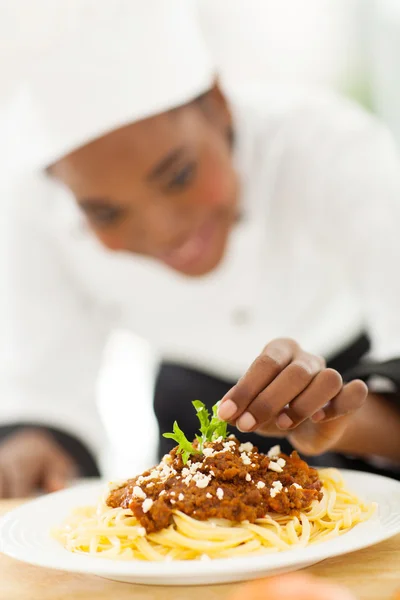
[[213, 222]]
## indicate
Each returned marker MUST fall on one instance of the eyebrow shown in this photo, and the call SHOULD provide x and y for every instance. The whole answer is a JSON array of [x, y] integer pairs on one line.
[[166, 163]]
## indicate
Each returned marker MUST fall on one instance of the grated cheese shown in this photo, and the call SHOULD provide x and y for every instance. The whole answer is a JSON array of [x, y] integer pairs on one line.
[[209, 452], [276, 489], [245, 459], [246, 447], [201, 480], [274, 452], [273, 466], [147, 504], [139, 493], [195, 467]]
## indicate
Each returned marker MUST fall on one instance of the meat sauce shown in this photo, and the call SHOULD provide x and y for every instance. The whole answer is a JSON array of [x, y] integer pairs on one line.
[[227, 480]]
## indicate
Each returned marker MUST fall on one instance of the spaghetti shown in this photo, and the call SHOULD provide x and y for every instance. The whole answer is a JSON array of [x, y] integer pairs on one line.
[[116, 533], [215, 498]]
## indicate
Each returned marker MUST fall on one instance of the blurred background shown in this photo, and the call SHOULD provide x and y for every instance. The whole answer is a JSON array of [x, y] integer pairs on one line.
[[351, 46]]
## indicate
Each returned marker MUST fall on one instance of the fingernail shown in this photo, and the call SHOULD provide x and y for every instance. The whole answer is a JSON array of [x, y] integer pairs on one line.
[[246, 422], [319, 416], [227, 409], [284, 421]]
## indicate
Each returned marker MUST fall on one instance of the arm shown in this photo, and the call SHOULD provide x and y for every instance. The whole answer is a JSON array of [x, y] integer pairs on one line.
[[373, 430], [352, 205], [51, 340], [366, 215]]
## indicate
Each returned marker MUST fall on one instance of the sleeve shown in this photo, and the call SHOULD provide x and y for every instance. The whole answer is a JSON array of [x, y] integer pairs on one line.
[[52, 335], [362, 219]]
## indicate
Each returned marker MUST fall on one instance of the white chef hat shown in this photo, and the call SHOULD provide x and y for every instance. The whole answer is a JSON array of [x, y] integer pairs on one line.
[[95, 66]]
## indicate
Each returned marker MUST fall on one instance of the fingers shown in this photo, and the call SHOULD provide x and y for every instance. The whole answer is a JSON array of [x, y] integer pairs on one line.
[[30, 459], [3, 485], [14, 482], [20, 484], [59, 471], [288, 385], [352, 397], [323, 388], [275, 357]]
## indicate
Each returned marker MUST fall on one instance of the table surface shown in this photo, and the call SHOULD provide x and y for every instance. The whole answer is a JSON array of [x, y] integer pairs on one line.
[[372, 574]]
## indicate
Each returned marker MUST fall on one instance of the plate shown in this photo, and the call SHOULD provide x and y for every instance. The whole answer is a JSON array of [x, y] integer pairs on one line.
[[25, 535]]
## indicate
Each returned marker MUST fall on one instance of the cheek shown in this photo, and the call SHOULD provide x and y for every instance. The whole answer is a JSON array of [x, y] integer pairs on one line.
[[217, 185], [115, 238], [111, 240], [125, 237]]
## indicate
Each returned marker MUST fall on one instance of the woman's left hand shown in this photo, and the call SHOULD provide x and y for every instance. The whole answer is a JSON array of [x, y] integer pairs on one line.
[[288, 392]]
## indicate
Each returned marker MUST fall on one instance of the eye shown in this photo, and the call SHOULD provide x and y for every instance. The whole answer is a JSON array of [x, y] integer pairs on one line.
[[104, 215], [182, 178]]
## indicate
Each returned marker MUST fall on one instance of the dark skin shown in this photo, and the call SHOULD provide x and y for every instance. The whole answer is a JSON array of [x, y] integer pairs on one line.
[[161, 185], [166, 188]]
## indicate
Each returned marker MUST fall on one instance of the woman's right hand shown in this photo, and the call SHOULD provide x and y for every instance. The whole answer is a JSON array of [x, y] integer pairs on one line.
[[32, 460]]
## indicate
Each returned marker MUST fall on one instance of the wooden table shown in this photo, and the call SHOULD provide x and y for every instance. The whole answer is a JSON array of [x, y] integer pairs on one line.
[[372, 574]]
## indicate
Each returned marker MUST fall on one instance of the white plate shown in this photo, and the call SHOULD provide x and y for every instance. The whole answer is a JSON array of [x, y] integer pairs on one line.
[[25, 535]]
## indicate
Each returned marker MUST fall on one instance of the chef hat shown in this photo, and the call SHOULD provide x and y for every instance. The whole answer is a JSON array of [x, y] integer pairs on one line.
[[97, 65]]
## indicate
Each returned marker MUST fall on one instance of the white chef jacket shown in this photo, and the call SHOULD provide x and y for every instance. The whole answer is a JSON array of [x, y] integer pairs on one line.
[[315, 256]]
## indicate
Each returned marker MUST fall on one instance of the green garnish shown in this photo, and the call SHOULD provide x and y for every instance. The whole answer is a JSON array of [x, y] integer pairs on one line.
[[210, 429], [184, 446]]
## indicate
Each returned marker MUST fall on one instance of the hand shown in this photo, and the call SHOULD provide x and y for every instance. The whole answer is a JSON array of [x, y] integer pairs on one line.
[[289, 393], [32, 459], [290, 587]]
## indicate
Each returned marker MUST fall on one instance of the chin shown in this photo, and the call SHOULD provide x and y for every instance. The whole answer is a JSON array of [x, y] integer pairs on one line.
[[200, 269], [207, 264]]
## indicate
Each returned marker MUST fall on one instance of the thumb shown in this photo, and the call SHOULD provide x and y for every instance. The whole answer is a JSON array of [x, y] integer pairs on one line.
[[59, 472]]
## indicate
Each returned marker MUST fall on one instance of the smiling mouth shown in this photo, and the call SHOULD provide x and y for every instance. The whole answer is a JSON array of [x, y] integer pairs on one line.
[[192, 249]]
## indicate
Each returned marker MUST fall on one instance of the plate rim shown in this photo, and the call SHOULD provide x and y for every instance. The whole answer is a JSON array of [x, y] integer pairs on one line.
[[77, 563]]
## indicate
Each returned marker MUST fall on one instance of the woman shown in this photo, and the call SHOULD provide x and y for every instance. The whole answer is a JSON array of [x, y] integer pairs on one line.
[[218, 221]]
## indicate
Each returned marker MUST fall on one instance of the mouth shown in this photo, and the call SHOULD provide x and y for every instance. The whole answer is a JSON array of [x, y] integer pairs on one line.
[[193, 249]]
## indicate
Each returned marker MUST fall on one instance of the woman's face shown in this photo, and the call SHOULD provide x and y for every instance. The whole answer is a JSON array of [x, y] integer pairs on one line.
[[164, 187]]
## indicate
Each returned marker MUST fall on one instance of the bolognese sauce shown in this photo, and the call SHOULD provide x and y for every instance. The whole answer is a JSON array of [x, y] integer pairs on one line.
[[226, 480]]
